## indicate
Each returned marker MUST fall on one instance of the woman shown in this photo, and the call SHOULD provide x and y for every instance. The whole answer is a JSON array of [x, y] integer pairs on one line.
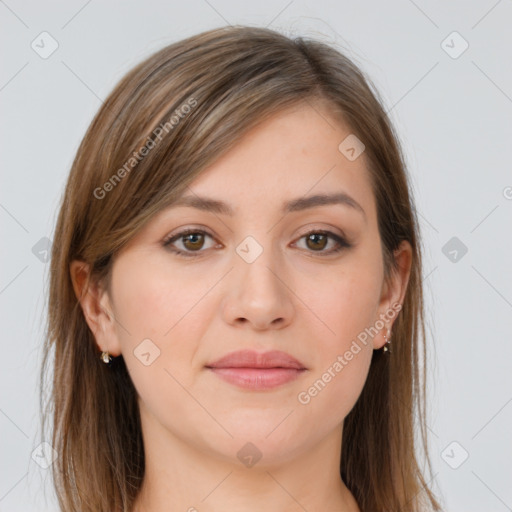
[[235, 294]]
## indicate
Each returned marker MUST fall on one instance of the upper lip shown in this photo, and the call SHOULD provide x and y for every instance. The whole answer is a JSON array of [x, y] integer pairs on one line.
[[253, 359]]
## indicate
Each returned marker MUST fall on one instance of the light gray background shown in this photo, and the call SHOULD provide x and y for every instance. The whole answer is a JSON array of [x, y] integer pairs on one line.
[[453, 116]]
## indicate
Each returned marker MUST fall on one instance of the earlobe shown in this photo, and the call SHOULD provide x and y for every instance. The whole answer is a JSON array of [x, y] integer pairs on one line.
[[95, 305]]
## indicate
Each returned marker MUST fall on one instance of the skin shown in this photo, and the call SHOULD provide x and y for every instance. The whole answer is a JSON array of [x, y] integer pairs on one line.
[[291, 298]]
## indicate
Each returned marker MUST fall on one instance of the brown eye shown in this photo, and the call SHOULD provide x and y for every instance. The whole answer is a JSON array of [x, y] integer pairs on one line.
[[316, 241], [192, 242]]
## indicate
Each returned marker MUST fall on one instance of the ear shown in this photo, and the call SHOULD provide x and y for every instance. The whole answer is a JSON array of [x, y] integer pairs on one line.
[[96, 307], [393, 291]]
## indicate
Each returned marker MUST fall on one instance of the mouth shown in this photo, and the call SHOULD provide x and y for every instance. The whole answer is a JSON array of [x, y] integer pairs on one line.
[[257, 379], [257, 371]]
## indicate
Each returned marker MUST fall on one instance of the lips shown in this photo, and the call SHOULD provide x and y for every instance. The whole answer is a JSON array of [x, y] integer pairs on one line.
[[253, 359], [253, 371]]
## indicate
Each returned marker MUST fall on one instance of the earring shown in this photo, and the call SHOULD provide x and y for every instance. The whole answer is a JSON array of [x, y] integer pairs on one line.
[[388, 342], [106, 357]]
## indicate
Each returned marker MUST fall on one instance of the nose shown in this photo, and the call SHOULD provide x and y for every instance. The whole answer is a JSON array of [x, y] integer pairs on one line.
[[258, 294]]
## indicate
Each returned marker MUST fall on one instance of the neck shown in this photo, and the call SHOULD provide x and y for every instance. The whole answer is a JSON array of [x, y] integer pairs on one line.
[[180, 477]]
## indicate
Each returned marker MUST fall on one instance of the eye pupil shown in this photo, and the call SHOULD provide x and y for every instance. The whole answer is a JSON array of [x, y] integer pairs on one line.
[[314, 237]]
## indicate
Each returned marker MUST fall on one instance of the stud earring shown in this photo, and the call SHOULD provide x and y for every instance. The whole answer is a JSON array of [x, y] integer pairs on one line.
[[106, 357], [388, 342]]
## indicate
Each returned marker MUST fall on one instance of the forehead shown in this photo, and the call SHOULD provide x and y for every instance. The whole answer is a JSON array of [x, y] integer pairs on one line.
[[294, 154], [289, 164]]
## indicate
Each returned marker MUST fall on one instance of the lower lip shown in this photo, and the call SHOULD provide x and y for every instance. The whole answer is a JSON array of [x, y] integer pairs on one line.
[[257, 378]]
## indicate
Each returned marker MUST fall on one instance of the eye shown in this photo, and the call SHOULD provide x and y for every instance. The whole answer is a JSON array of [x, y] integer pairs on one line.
[[317, 240], [193, 240]]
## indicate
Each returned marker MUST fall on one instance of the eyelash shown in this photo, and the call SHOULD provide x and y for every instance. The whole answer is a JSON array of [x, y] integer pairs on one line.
[[342, 243]]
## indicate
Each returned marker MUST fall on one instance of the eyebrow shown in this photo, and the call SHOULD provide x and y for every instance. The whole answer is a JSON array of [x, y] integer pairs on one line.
[[302, 203]]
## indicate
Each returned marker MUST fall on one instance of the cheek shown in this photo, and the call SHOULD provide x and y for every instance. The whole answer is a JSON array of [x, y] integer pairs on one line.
[[347, 309], [152, 298], [160, 320], [342, 361], [352, 307], [156, 328], [344, 303], [141, 301]]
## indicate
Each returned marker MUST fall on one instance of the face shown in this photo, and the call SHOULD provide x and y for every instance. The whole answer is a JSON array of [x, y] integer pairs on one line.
[[307, 281]]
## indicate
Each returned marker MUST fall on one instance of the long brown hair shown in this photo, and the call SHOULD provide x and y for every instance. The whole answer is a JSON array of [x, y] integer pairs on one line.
[[169, 118]]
